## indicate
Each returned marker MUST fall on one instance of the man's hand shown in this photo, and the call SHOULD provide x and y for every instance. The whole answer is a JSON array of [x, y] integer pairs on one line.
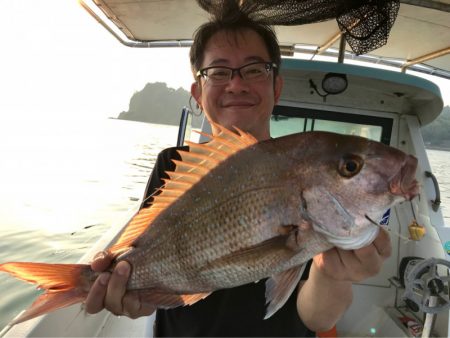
[[109, 290], [326, 295], [355, 265]]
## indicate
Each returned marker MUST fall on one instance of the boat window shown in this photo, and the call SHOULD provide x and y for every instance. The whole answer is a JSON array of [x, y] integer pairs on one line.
[[288, 120], [364, 130]]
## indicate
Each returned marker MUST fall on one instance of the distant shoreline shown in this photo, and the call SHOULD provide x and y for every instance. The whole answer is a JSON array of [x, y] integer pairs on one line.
[[150, 122], [427, 147], [430, 147]]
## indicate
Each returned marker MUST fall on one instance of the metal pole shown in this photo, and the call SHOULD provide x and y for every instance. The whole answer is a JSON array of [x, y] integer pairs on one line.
[[429, 318], [341, 49]]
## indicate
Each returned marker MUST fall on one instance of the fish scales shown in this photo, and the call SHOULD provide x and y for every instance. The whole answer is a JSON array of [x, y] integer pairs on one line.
[[246, 214]]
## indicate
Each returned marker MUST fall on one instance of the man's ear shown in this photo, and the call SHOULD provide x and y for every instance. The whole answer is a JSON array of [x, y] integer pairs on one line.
[[196, 92], [278, 87]]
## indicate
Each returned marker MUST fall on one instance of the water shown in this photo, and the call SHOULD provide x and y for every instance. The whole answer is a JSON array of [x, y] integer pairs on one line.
[[63, 184], [440, 162]]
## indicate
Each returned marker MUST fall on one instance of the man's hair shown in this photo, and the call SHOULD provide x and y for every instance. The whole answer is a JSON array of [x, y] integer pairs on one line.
[[235, 24]]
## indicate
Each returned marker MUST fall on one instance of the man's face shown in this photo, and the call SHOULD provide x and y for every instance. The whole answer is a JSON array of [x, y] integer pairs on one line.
[[242, 103]]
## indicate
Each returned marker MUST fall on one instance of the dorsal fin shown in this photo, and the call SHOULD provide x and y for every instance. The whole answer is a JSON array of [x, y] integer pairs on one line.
[[194, 164]]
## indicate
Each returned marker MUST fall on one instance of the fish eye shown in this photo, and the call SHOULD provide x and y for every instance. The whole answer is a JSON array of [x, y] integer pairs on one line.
[[350, 165]]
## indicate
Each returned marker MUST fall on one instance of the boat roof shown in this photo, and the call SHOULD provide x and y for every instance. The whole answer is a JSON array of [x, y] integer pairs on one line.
[[369, 90], [419, 39]]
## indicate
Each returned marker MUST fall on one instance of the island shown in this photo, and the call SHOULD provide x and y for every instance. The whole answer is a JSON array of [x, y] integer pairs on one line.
[[159, 104]]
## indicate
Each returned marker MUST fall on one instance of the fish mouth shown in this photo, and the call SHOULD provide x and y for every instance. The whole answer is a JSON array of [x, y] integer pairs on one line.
[[404, 183], [364, 238]]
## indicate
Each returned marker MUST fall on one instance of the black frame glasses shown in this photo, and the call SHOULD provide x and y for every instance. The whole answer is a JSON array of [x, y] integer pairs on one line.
[[255, 71]]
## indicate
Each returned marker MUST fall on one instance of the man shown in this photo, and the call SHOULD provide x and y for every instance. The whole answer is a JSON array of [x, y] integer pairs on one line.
[[236, 64]]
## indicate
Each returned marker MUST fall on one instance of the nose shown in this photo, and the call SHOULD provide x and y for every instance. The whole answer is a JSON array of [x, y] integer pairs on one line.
[[237, 84]]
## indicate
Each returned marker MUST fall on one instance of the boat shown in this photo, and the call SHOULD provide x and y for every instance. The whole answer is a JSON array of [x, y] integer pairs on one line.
[[410, 296]]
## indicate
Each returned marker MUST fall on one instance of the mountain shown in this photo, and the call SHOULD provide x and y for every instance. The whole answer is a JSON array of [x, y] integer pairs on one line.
[[157, 103]]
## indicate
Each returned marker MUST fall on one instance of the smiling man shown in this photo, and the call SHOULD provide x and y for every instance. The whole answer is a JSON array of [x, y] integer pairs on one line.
[[235, 64], [235, 84]]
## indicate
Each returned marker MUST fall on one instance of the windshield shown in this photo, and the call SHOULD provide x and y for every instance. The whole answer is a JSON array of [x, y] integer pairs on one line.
[[288, 120]]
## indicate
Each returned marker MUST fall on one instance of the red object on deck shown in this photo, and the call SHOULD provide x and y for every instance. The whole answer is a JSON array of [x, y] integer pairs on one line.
[[332, 333]]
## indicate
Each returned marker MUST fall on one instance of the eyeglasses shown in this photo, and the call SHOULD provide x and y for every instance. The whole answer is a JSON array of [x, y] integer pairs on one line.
[[219, 75]]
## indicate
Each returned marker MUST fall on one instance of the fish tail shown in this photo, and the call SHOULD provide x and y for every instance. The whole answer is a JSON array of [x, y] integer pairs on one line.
[[65, 284]]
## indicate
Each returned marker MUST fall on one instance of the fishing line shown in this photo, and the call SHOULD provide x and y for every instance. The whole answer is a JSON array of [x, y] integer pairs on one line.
[[412, 209], [406, 239]]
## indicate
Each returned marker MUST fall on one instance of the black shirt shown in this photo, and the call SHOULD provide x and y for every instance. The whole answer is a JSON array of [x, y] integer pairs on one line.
[[231, 312]]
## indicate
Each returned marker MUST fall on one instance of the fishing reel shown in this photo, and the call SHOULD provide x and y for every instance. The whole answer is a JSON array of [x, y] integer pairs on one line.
[[425, 289]]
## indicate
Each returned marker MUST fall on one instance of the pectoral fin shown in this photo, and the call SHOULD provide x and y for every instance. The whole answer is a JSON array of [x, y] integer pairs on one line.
[[280, 287], [166, 300]]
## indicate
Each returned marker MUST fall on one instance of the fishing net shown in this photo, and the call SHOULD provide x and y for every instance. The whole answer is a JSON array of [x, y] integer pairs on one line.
[[366, 24]]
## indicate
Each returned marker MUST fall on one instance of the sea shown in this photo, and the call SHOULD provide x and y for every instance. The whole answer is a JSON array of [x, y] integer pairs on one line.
[[63, 184]]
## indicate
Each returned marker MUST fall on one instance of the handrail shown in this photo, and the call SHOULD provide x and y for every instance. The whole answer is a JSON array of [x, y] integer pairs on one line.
[[437, 201], [182, 127]]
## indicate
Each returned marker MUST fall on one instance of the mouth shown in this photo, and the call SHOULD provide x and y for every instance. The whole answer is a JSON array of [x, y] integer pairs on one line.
[[404, 183], [238, 101], [238, 104]]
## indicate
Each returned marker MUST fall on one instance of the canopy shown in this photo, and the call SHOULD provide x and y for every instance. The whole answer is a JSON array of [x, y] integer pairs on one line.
[[419, 38]]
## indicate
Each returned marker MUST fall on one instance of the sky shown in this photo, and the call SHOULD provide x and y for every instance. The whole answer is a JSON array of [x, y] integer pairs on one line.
[[57, 61]]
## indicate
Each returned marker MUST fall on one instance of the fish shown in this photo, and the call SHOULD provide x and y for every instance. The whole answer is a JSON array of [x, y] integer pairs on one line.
[[236, 211]]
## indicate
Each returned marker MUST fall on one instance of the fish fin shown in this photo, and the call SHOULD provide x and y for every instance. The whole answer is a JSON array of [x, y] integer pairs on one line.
[[166, 300], [65, 284], [49, 302], [224, 143], [195, 164], [280, 287], [137, 225], [47, 276], [201, 158]]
